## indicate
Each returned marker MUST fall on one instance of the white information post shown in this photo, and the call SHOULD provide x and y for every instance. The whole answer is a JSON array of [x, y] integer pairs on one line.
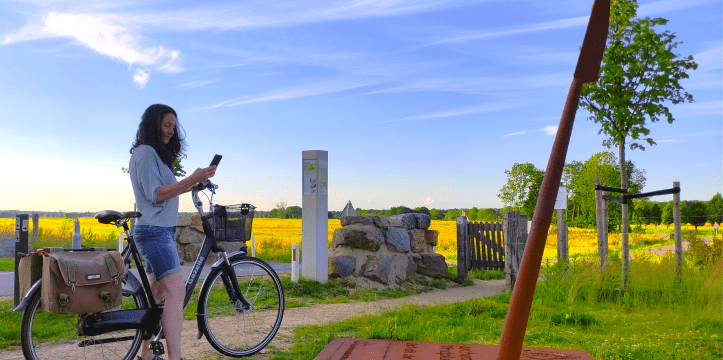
[[314, 215]]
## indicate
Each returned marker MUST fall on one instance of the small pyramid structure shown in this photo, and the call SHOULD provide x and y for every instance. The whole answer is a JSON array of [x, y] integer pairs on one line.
[[348, 210]]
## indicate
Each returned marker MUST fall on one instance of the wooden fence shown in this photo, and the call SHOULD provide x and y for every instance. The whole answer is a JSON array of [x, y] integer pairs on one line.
[[484, 244]]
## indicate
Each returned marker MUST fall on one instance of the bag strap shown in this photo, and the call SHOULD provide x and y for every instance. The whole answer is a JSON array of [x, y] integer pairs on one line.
[[110, 263]]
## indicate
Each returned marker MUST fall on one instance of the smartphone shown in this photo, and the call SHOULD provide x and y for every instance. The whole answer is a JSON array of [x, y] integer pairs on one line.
[[216, 160]]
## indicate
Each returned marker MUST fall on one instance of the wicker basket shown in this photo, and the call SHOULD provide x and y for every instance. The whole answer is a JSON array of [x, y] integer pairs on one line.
[[232, 223]]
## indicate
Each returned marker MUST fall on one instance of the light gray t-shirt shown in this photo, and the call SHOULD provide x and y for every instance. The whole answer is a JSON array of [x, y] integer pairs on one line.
[[148, 173]]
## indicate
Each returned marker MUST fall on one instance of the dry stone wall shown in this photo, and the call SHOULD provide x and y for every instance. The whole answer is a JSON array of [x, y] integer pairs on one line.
[[189, 239], [386, 250]]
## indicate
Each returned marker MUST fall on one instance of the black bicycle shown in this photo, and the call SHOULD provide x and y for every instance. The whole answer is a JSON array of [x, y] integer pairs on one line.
[[240, 304]]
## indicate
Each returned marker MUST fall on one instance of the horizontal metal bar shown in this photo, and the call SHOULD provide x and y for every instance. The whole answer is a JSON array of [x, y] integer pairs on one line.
[[613, 198], [674, 190], [607, 188]]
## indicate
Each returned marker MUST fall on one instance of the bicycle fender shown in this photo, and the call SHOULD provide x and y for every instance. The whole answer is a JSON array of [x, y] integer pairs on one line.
[[229, 256], [132, 285], [26, 300]]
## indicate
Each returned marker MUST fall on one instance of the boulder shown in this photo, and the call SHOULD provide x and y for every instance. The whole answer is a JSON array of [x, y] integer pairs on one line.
[[385, 269], [431, 237], [188, 235], [423, 221], [190, 253], [342, 265], [349, 220], [417, 240], [382, 221], [432, 265], [7, 248], [409, 221], [365, 237], [398, 239]]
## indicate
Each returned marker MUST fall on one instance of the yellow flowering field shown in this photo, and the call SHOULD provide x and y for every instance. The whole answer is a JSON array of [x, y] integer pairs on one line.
[[274, 237]]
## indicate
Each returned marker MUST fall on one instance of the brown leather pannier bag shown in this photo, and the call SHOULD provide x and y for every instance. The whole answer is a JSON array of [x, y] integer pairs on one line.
[[30, 270], [81, 281]]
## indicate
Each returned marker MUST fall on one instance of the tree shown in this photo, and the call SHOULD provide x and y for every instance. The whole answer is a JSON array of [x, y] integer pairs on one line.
[[639, 73], [472, 213], [696, 214], [655, 214], [435, 214], [451, 214], [422, 210], [293, 212], [487, 215], [667, 217], [714, 209], [279, 210], [522, 188]]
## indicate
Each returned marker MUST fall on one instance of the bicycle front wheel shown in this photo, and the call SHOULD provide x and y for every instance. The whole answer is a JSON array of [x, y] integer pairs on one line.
[[47, 336], [231, 329]]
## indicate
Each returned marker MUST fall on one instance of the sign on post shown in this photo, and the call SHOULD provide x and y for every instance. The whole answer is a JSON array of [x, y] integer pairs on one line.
[[21, 246], [314, 215]]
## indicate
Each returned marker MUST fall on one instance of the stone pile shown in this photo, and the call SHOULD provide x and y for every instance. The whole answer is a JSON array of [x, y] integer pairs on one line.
[[189, 239], [386, 250]]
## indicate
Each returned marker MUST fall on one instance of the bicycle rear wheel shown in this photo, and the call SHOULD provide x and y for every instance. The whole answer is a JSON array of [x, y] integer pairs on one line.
[[234, 331], [54, 336]]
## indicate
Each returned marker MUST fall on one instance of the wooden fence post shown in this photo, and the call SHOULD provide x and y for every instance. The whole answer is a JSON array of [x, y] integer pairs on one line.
[[678, 240], [515, 235], [600, 227], [606, 249], [562, 244], [34, 237], [462, 245]]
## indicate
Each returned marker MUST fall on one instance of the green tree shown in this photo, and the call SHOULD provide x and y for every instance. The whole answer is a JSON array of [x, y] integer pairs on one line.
[[522, 188], [279, 210], [451, 214], [293, 212], [714, 209], [655, 214], [666, 218], [435, 214], [487, 215], [639, 74], [422, 210], [696, 214], [472, 213]]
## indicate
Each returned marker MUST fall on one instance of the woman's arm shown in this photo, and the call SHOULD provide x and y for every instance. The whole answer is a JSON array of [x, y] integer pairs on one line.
[[166, 192]]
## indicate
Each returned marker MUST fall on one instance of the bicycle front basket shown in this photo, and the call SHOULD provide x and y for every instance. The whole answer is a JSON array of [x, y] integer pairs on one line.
[[233, 222]]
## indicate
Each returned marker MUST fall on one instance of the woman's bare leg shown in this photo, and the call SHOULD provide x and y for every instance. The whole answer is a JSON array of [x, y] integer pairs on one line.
[[174, 290], [146, 353]]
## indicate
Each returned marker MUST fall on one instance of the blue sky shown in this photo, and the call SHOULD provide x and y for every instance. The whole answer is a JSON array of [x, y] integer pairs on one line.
[[422, 102]]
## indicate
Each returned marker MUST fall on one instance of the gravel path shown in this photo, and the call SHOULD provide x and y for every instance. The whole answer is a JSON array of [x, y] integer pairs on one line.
[[323, 314]]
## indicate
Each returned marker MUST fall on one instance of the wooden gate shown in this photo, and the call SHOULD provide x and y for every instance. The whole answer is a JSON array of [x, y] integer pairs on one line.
[[486, 249]]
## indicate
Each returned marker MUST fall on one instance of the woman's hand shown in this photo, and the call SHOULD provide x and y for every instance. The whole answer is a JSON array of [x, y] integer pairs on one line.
[[201, 175], [166, 192]]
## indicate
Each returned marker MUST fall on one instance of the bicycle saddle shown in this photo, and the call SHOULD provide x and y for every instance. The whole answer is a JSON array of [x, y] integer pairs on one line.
[[110, 216]]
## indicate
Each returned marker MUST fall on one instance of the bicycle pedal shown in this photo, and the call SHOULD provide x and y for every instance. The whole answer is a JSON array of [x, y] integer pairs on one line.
[[157, 348]]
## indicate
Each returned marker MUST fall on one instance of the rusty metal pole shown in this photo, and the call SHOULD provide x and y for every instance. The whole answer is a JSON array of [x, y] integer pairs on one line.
[[588, 67]]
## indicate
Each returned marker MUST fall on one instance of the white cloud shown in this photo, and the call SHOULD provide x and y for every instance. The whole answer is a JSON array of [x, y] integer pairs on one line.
[[428, 201], [194, 84], [667, 141], [465, 111], [310, 89], [141, 77], [109, 35], [549, 130], [663, 6], [515, 134]]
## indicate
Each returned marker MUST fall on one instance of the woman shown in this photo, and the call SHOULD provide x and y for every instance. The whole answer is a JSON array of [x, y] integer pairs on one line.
[[157, 146]]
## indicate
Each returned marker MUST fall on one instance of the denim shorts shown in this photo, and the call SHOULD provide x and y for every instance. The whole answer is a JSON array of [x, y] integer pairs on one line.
[[158, 246]]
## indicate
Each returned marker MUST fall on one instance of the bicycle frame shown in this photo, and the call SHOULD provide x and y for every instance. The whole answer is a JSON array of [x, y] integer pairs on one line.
[[149, 318]]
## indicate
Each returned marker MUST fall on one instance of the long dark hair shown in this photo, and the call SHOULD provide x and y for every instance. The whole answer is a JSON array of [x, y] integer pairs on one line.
[[149, 133]]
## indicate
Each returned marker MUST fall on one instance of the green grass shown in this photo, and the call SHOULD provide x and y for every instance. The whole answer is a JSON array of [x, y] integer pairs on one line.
[[656, 318], [7, 264]]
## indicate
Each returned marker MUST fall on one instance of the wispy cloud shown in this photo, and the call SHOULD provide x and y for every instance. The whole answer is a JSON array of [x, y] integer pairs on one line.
[[667, 141], [305, 90], [544, 26], [105, 34], [515, 134], [194, 84], [665, 6], [464, 111], [550, 130]]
